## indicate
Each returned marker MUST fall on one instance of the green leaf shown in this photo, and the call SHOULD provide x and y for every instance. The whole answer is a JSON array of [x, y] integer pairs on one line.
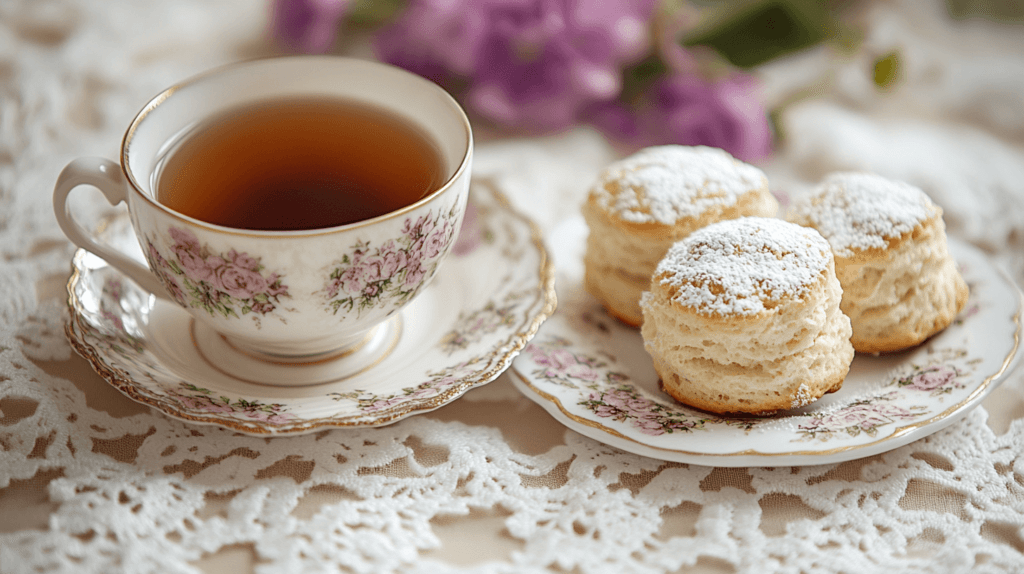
[[997, 10], [887, 70], [636, 79], [751, 32], [373, 13]]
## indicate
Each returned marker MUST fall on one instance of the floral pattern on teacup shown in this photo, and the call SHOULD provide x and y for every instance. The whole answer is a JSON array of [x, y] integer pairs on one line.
[[228, 284], [861, 416], [196, 398], [393, 272]]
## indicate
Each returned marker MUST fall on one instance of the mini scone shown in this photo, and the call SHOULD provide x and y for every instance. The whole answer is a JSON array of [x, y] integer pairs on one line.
[[643, 204], [900, 284], [743, 317]]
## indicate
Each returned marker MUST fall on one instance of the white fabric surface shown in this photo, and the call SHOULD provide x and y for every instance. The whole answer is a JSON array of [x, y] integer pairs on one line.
[[90, 482]]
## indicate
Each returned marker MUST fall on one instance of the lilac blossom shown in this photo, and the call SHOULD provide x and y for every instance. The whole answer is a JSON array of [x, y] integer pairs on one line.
[[689, 110], [308, 25], [724, 113], [527, 63]]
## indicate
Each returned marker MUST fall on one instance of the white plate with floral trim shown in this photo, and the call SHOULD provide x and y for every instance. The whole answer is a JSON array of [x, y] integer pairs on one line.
[[485, 304], [593, 375]]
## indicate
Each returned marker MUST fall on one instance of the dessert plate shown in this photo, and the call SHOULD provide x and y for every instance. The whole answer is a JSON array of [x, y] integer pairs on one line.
[[593, 375], [484, 305]]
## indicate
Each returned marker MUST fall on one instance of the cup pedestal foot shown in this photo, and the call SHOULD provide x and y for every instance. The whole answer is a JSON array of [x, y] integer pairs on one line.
[[239, 361]]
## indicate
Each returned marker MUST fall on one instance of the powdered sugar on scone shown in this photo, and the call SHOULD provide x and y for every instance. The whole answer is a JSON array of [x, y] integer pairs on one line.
[[664, 184], [744, 266], [860, 211]]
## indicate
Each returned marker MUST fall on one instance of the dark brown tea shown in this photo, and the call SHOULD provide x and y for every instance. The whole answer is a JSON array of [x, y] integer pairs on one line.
[[299, 164]]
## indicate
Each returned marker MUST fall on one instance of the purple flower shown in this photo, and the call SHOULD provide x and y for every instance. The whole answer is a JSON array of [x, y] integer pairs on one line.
[[734, 118], [437, 39], [685, 109], [527, 63], [308, 25]]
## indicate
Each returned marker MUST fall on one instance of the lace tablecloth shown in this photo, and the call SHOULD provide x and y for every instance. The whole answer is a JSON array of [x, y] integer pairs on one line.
[[92, 482]]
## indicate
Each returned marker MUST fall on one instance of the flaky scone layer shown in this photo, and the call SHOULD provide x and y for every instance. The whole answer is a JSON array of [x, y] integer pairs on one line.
[[620, 258], [782, 359], [899, 296]]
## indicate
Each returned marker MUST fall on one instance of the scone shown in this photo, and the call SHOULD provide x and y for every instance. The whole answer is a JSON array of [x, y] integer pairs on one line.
[[743, 317], [643, 204], [900, 284]]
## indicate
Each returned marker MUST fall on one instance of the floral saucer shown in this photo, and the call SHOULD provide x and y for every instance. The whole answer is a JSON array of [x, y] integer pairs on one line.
[[487, 302], [592, 373]]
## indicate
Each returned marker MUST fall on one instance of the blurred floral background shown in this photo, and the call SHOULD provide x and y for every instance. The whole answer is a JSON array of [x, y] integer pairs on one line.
[[644, 72]]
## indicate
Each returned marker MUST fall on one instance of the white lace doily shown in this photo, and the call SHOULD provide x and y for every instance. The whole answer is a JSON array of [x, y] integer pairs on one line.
[[92, 482]]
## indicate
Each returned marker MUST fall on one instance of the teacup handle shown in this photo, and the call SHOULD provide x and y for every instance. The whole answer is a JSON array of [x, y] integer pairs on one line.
[[106, 176]]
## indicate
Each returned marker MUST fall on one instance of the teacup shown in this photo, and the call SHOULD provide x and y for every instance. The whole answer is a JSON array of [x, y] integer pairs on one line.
[[292, 296]]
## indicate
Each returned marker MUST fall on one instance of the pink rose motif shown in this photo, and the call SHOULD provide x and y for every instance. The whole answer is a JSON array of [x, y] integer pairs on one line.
[[240, 282], [243, 260], [434, 244], [184, 238], [863, 416], [617, 399], [371, 290], [262, 307], [393, 261], [561, 361], [276, 288], [333, 287], [649, 427], [639, 407], [196, 268], [932, 378], [353, 279], [414, 273]]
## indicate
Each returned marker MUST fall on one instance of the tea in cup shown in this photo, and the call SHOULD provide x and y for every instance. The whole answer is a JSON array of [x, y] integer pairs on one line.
[[292, 205]]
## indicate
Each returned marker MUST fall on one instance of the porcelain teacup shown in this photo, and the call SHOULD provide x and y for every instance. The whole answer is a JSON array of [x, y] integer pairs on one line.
[[296, 296]]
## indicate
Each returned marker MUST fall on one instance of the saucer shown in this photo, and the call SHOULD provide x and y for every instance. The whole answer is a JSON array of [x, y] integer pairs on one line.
[[487, 302], [593, 375]]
